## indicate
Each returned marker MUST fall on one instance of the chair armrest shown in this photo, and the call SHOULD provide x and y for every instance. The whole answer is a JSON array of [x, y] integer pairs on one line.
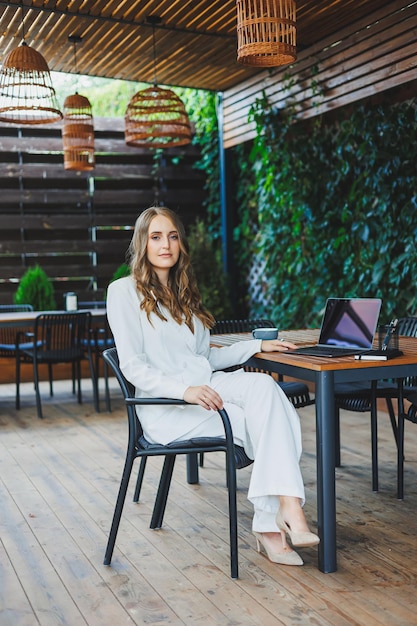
[[166, 401], [148, 401]]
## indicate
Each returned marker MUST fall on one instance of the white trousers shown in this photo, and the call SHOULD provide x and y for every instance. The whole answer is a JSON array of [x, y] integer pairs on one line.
[[266, 424]]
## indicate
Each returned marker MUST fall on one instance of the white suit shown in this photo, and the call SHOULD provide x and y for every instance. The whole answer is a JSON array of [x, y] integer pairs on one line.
[[164, 358]]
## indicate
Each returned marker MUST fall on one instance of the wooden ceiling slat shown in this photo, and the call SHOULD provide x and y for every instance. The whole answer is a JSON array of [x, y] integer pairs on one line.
[[117, 42]]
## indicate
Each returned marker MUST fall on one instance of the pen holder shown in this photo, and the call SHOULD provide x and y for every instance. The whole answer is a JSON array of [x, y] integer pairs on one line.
[[393, 340]]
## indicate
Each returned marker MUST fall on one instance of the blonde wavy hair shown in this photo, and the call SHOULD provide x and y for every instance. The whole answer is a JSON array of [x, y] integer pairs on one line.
[[181, 297]]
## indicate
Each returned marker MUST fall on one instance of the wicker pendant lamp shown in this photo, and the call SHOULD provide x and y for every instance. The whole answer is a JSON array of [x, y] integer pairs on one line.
[[78, 134], [156, 117], [78, 129], [26, 92], [266, 32]]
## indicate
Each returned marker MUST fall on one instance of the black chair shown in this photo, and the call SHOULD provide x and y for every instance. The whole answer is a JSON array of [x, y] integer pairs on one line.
[[57, 338], [362, 398], [297, 392], [411, 416], [8, 334], [15, 308], [92, 304], [138, 447], [101, 338]]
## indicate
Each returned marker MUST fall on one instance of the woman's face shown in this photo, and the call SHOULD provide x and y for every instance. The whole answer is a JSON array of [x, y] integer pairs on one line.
[[163, 249]]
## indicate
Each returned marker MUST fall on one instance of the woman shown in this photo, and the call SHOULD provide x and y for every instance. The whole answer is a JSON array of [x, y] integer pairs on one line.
[[161, 331]]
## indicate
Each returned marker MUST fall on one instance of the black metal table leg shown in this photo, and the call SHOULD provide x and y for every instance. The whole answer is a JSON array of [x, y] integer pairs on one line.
[[326, 483]]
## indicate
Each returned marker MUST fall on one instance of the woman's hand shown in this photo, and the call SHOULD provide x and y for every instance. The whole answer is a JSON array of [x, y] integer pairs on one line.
[[205, 396], [276, 345]]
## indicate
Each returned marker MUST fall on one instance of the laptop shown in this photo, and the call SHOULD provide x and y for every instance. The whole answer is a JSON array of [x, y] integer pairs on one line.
[[348, 327]]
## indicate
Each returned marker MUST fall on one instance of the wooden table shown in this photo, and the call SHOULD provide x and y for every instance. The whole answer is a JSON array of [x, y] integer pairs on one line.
[[325, 372], [27, 318]]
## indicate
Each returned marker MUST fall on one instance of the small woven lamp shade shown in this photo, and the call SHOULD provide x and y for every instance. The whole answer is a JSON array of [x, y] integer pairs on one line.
[[26, 92], [266, 32], [156, 118], [78, 134]]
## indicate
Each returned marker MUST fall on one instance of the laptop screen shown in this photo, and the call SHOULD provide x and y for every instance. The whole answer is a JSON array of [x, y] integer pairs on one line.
[[350, 322]]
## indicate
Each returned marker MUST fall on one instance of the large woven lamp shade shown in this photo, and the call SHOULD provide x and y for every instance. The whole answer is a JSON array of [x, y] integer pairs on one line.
[[156, 118], [26, 92], [266, 32], [78, 134]]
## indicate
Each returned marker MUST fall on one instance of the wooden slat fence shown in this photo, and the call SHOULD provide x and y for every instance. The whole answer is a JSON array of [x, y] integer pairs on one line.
[[78, 225]]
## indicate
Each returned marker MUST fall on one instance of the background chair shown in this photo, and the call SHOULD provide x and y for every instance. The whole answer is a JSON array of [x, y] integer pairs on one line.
[[57, 338], [138, 447], [411, 416], [15, 308], [362, 397], [8, 333], [92, 304], [100, 339]]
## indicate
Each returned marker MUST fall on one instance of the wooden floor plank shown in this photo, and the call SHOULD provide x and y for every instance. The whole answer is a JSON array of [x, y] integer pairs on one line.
[[59, 481]]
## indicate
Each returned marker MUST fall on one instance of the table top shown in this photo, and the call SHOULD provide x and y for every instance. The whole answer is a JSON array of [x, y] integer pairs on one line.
[[22, 318], [310, 336]]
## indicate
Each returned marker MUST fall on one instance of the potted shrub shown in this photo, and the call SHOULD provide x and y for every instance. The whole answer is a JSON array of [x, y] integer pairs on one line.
[[36, 288]]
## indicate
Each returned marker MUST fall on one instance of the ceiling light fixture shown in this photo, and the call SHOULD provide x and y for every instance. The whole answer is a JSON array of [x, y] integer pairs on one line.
[[266, 32], [156, 117], [78, 127], [26, 92]]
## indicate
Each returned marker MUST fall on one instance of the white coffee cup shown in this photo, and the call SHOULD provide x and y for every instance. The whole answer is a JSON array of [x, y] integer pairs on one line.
[[265, 333]]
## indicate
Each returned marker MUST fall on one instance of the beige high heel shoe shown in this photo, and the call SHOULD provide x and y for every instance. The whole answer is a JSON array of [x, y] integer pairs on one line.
[[300, 539], [284, 558]]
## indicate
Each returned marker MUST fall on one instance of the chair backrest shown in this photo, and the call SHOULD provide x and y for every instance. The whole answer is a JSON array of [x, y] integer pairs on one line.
[[407, 326], [8, 333], [111, 357], [128, 390], [15, 308], [93, 304], [240, 326], [61, 332]]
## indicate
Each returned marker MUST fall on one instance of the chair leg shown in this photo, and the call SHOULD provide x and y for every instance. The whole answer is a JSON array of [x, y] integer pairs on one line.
[[17, 402], [400, 457], [231, 486], [78, 370], [51, 387], [163, 489], [106, 386], [392, 419], [374, 438], [37, 392], [400, 441], [139, 479], [73, 378], [118, 509], [94, 381], [192, 468]]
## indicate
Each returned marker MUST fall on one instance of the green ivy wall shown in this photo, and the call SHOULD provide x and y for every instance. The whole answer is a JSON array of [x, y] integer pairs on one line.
[[331, 208]]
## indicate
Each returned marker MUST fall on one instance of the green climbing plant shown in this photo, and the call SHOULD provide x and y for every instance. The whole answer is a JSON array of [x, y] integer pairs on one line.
[[336, 209]]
